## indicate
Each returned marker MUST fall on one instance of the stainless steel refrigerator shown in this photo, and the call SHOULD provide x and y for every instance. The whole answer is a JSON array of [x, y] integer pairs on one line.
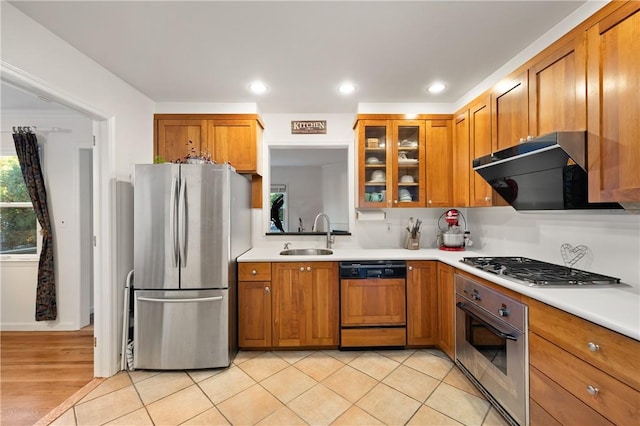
[[191, 222]]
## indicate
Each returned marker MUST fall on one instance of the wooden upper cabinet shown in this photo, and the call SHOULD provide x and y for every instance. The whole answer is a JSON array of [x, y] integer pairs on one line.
[[510, 111], [236, 142], [613, 87], [439, 163], [480, 192], [461, 160], [557, 89], [174, 139], [388, 150], [232, 138]]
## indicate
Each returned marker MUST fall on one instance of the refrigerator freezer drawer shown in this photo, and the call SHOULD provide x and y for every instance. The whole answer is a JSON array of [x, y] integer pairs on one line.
[[181, 329]]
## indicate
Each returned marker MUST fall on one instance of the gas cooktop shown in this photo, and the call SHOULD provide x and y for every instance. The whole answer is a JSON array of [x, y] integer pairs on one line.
[[536, 273]]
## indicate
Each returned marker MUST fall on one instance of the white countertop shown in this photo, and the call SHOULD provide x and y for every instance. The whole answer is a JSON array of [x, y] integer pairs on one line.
[[616, 308]]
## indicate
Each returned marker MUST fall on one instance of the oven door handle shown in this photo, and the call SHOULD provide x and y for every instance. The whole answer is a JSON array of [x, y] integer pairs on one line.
[[462, 306]]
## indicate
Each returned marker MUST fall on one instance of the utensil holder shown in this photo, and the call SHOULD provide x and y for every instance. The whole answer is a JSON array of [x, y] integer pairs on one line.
[[413, 243]]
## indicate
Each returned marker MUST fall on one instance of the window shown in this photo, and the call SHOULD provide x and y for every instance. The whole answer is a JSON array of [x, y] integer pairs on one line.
[[278, 203], [18, 223]]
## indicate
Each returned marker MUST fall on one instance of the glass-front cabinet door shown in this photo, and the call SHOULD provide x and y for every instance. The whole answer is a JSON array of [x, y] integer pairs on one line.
[[373, 157], [408, 163], [391, 161]]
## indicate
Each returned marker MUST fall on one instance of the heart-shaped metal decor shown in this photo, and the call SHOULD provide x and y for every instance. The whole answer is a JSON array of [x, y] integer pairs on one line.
[[571, 255]]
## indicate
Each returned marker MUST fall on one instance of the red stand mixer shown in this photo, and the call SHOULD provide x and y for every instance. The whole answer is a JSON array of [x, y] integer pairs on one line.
[[450, 236]]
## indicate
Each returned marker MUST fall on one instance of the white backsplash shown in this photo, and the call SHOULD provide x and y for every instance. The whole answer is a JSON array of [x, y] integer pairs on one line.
[[613, 238]]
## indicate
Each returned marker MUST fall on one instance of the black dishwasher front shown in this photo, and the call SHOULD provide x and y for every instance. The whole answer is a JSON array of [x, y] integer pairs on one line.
[[373, 304]]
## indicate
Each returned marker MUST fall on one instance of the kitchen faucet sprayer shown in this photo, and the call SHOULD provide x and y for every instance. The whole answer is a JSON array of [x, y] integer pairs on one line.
[[330, 238]]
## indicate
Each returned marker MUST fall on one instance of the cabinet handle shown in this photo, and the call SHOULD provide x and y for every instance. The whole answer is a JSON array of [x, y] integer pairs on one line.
[[593, 347], [411, 268], [267, 290], [592, 391], [254, 272], [308, 268], [302, 269]]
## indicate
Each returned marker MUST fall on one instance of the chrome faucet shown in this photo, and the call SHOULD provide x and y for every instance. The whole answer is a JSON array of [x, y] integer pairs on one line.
[[330, 238]]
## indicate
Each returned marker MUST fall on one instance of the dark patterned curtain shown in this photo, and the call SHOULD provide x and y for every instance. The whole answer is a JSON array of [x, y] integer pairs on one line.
[[27, 150]]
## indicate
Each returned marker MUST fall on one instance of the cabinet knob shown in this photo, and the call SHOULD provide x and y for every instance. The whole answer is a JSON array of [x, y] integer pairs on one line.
[[593, 347], [308, 268], [487, 199], [302, 269], [411, 268], [395, 201], [503, 312], [254, 272], [592, 391], [267, 290], [429, 202]]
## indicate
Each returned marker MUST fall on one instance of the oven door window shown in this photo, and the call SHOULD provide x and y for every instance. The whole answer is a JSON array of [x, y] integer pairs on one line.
[[492, 346]]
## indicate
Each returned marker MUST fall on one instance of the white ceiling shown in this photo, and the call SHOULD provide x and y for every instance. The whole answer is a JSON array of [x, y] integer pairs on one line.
[[209, 51]]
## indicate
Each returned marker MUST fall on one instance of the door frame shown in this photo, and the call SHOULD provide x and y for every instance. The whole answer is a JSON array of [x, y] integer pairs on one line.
[[106, 351]]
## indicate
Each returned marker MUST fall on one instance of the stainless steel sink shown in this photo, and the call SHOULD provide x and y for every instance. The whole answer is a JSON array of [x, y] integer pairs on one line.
[[306, 252]]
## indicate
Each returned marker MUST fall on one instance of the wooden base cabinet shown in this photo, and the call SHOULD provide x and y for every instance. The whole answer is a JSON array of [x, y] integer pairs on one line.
[[422, 303], [254, 305], [446, 309], [305, 304], [580, 372]]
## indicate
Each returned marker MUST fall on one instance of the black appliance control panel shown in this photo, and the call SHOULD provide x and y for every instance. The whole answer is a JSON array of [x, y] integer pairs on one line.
[[373, 269]]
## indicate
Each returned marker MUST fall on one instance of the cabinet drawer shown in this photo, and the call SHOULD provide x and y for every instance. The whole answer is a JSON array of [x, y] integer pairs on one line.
[[560, 404], [254, 271], [614, 400], [615, 354], [363, 337]]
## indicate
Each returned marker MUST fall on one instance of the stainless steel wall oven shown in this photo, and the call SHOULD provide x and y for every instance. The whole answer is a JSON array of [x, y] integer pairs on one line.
[[491, 346]]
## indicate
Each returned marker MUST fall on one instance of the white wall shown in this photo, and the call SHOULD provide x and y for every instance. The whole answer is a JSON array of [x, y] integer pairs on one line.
[[35, 58], [61, 170]]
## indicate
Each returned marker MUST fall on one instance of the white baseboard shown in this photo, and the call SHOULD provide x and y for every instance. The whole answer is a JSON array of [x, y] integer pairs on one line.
[[38, 326]]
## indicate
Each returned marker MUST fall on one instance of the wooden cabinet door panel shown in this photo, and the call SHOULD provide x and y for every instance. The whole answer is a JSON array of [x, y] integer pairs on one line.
[[510, 110], [373, 301], [422, 303], [234, 141], [288, 292], [461, 160], [480, 192], [254, 314], [439, 160], [557, 90], [323, 312], [446, 309], [177, 138], [305, 304], [613, 79]]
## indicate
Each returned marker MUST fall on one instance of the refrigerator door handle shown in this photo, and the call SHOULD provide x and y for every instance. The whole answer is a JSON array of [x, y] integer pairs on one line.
[[182, 223], [173, 206], [190, 300]]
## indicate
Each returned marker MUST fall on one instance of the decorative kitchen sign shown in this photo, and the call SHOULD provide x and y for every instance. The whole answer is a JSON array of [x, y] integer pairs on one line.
[[309, 127]]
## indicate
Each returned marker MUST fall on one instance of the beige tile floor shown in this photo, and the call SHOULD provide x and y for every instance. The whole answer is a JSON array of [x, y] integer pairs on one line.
[[406, 387]]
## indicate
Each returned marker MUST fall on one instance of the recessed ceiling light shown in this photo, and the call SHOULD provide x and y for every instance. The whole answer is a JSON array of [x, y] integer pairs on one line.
[[258, 87], [436, 88], [346, 88]]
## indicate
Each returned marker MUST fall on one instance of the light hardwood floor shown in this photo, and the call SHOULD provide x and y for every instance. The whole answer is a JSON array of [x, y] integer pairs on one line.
[[40, 370]]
